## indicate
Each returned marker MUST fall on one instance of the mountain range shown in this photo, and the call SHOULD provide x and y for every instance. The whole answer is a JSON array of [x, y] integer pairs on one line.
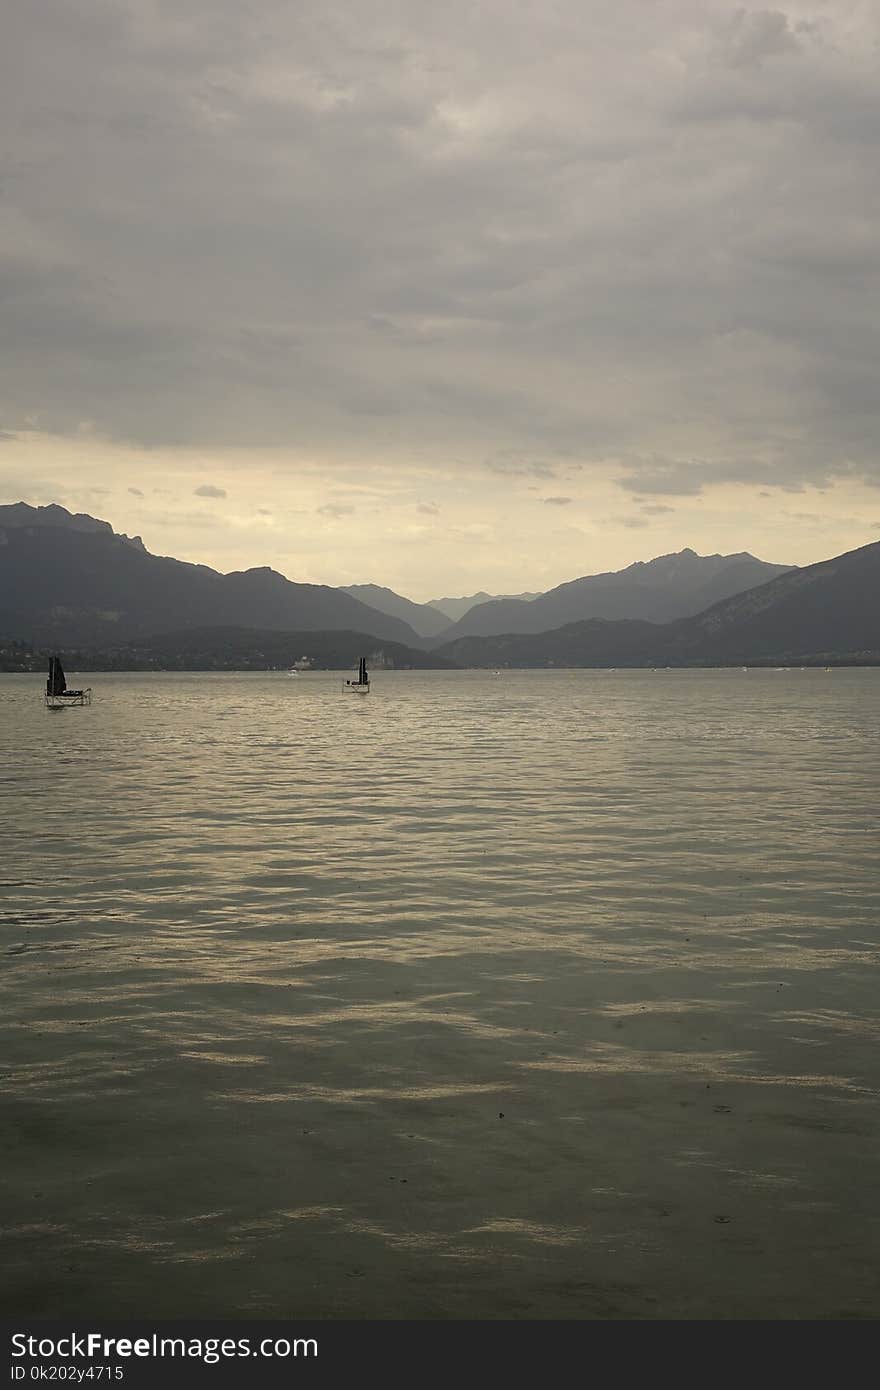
[[827, 612], [455, 608], [65, 581], [68, 581], [421, 617], [433, 618], [672, 586]]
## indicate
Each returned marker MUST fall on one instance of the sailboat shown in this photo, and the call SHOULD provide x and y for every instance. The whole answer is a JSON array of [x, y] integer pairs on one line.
[[58, 695], [362, 684]]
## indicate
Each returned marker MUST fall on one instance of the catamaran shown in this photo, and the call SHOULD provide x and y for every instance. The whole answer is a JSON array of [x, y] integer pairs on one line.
[[362, 685], [58, 696]]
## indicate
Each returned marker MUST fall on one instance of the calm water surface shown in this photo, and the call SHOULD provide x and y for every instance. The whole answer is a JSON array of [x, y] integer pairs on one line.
[[541, 995]]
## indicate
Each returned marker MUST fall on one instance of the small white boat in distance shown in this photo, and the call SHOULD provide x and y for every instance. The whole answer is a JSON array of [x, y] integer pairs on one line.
[[58, 696], [362, 685]]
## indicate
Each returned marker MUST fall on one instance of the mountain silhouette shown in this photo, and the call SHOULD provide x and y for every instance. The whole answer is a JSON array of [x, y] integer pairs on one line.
[[71, 579], [660, 590], [822, 613], [455, 608], [422, 617]]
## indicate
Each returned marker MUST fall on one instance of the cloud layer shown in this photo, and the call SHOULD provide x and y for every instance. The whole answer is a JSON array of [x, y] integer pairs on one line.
[[623, 240]]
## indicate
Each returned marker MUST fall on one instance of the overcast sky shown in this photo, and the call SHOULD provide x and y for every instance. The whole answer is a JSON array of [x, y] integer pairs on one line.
[[444, 296]]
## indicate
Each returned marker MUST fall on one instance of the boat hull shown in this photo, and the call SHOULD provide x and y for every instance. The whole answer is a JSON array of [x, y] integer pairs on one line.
[[71, 698]]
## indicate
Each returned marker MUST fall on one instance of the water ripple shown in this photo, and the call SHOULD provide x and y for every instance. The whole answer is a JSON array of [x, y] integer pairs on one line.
[[553, 995]]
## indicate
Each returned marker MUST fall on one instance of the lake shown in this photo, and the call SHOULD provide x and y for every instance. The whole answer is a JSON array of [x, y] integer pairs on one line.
[[532, 995]]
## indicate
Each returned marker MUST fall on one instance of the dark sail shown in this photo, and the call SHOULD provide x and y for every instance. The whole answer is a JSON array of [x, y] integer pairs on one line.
[[56, 684], [362, 671]]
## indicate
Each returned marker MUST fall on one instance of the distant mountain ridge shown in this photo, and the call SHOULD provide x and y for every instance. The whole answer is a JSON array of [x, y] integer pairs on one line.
[[72, 580], [821, 613], [660, 590], [423, 618], [69, 581], [455, 608]]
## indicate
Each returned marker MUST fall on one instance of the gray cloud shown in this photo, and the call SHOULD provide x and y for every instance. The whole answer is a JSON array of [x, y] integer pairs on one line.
[[672, 477], [751, 36], [135, 492], [336, 228], [209, 490], [558, 501], [511, 464], [428, 508], [657, 510]]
